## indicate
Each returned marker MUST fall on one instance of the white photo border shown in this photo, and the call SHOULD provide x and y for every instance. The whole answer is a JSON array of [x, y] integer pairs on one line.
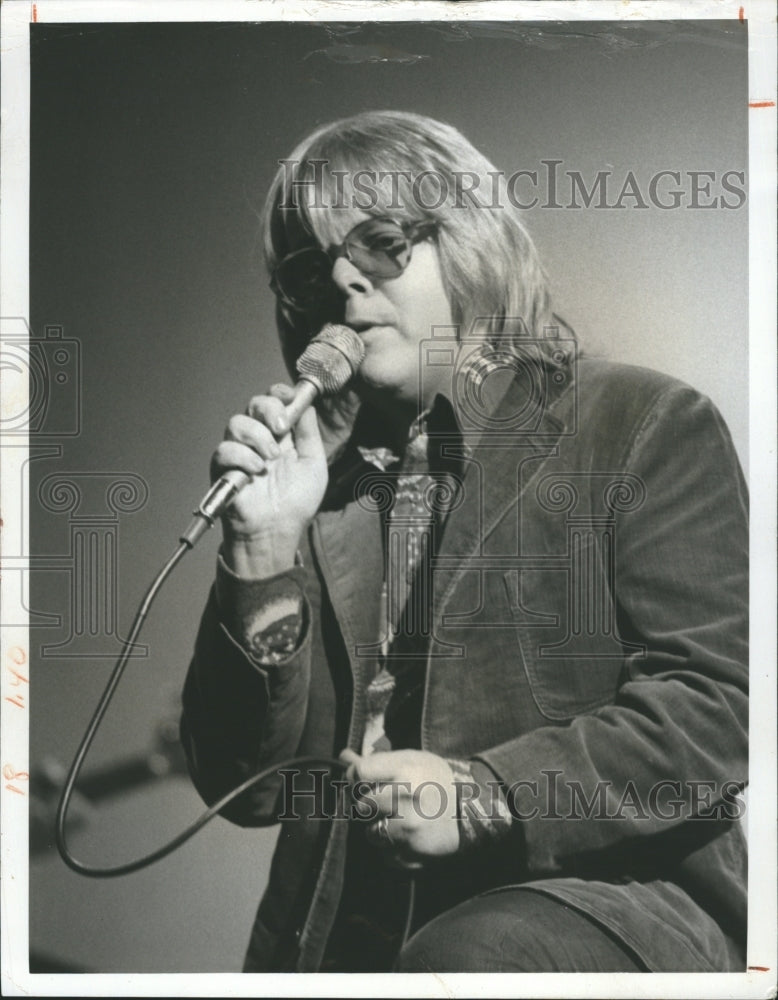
[[762, 957]]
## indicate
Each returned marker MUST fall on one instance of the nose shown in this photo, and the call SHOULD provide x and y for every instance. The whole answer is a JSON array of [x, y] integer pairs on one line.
[[349, 279]]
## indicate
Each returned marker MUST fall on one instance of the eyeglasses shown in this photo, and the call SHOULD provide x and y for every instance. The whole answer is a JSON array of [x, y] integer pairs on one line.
[[378, 247]]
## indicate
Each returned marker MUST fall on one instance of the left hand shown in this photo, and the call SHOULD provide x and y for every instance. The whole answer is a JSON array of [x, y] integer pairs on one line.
[[415, 791]]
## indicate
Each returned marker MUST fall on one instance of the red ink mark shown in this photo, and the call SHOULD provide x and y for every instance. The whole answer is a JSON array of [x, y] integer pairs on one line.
[[741, 14], [17, 700], [19, 678], [18, 655], [34, 13], [11, 775], [758, 968], [761, 104]]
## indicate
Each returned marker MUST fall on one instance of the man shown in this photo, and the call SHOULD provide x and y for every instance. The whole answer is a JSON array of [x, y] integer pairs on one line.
[[506, 584]]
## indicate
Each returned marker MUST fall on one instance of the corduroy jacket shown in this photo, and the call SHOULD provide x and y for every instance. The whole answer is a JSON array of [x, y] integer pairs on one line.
[[588, 643]]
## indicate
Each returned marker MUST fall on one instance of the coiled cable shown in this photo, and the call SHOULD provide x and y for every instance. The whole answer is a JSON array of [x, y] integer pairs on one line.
[[132, 866]]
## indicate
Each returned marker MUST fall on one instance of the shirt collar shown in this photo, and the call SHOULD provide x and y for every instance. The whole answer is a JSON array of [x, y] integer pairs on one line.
[[439, 419]]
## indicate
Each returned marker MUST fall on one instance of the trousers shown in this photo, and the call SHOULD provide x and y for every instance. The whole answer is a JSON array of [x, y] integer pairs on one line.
[[515, 930]]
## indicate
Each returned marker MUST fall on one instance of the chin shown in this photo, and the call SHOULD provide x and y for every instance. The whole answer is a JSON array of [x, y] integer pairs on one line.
[[383, 384]]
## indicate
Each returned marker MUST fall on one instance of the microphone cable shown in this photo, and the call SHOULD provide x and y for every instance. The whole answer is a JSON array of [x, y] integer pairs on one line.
[[132, 866]]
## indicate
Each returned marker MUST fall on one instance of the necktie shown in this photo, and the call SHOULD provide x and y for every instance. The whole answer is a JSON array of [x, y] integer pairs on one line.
[[409, 530]]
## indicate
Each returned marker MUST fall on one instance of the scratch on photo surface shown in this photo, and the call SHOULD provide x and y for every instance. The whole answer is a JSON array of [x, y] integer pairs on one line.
[[345, 53], [612, 38]]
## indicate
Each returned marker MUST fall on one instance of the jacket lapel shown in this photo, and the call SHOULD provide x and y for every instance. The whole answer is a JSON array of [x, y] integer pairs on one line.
[[501, 459], [348, 545]]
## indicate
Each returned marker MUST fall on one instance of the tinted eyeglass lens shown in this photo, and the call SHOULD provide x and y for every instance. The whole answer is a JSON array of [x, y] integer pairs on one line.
[[379, 248], [304, 278]]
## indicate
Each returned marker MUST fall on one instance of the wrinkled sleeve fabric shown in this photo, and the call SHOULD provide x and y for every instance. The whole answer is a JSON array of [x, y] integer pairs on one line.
[[244, 704], [680, 714]]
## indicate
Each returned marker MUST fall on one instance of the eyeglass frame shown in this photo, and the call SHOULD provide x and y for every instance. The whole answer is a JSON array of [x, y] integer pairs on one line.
[[415, 232]]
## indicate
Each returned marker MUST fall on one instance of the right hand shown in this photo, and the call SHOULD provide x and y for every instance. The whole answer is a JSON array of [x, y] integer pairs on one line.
[[263, 525]]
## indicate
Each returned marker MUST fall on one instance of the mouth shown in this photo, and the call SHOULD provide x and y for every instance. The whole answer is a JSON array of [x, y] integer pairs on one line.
[[362, 326]]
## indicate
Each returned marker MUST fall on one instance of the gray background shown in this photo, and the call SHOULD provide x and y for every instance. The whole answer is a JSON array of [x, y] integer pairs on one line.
[[151, 149]]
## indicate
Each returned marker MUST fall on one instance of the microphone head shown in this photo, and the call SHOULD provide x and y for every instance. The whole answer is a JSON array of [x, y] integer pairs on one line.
[[332, 358]]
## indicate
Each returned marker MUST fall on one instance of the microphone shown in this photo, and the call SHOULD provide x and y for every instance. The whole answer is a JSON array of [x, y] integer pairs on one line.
[[325, 367]]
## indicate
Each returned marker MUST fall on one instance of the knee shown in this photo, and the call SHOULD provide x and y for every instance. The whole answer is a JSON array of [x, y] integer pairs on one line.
[[454, 942], [514, 931], [429, 950]]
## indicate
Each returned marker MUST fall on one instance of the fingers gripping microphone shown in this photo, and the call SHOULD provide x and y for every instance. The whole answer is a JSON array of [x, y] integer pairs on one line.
[[325, 367]]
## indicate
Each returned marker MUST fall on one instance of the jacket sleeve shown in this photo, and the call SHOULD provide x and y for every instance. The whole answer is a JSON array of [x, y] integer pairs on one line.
[[241, 715], [673, 745]]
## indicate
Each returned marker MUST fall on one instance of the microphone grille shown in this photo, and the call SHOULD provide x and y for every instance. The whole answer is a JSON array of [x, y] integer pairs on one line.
[[332, 358]]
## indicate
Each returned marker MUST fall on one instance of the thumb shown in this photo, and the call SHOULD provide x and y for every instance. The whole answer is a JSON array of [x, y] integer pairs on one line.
[[307, 436], [353, 760]]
